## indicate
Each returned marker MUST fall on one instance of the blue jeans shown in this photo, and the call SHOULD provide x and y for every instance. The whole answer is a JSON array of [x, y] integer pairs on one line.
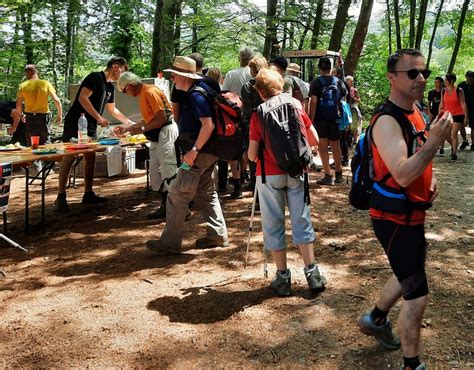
[[278, 190]]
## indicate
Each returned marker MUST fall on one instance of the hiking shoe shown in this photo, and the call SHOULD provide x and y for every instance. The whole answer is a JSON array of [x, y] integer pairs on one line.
[[345, 162], [237, 192], [161, 249], [326, 180], [90, 197], [282, 284], [60, 204], [454, 157], [159, 214], [421, 366], [206, 242], [464, 145], [383, 333], [339, 178], [314, 278], [441, 152]]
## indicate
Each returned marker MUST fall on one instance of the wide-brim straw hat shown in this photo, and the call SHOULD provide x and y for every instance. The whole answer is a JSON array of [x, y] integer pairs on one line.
[[184, 66], [293, 67]]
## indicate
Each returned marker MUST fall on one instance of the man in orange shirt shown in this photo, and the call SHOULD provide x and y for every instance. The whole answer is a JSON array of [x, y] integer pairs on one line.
[[159, 127], [400, 230]]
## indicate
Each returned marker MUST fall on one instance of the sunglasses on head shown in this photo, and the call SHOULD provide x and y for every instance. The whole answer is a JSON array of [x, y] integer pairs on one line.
[[124, 90], [413, 73]]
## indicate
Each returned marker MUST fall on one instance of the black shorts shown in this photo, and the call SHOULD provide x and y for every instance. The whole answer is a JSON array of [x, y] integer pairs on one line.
[[37, 124], [459, 119], [405, 247], [471, 121], [328, 130]]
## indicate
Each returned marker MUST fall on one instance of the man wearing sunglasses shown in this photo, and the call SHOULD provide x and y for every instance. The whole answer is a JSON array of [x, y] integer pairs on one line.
[[402, 234]]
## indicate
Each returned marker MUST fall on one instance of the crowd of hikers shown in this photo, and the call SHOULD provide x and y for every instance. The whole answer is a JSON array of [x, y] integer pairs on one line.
[[267, 124]]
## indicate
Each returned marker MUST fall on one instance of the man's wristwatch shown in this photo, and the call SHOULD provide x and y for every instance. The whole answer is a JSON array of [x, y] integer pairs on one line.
[[195, 148], [142, 127]]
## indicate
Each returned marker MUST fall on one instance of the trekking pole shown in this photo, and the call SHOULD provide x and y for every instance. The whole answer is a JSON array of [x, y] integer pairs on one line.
[[251, 225]]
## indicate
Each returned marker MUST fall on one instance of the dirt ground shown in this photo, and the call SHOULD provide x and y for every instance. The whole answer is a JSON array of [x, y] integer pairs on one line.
[[89, 294]]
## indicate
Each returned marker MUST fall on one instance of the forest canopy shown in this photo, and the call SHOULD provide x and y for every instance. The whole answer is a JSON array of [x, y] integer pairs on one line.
[[68, 39]]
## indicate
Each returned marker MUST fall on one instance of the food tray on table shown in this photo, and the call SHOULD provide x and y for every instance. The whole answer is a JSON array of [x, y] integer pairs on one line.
[[79, 146], [110, 141], [45, 151], [10, 148]]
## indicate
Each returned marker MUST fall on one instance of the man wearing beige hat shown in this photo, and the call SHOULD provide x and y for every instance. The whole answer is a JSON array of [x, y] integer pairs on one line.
[[294, 71], [193, 181]]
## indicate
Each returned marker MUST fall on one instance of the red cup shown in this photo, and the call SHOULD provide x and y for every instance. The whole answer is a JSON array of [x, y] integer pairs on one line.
[[35, 140]]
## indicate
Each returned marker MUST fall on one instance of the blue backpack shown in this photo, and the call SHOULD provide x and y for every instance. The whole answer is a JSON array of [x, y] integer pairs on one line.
[[329, 104]]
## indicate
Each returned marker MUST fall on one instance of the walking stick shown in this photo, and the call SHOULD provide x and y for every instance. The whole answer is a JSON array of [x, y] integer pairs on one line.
[[265, 269]]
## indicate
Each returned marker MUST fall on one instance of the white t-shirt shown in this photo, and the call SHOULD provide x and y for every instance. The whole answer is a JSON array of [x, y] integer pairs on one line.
[[236, 78]]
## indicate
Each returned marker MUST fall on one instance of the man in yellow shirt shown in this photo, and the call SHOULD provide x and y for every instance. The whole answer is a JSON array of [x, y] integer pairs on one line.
[[34, 94], [159, 127]]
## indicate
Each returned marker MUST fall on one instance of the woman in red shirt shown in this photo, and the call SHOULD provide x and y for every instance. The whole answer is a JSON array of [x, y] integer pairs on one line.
[[452, 100]]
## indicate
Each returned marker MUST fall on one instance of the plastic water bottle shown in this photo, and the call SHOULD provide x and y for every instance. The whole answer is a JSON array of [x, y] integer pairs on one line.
[[82, 129]]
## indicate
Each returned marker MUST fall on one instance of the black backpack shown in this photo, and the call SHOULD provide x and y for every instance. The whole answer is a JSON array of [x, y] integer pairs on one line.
[[329, 103], [281, 127], [365, 193]]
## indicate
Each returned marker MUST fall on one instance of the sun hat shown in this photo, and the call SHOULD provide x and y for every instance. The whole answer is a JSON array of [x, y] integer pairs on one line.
[[184, 66], [293, 67]]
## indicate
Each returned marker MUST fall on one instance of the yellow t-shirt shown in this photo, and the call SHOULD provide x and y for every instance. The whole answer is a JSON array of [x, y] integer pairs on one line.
[[35, 95], [152, 100]]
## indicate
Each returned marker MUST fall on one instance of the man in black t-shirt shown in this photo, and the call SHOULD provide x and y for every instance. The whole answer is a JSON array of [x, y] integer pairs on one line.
[[468, 89], [327, 128], [10, 116], [434, 98], [95, 94]]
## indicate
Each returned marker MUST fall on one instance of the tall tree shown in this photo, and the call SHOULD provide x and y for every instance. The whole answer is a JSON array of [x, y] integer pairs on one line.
[[156, 38], [72, 18], [357, 43], [458, 36], [317, 24], [421, 23], [412, 17], [396, 15], [54, 31], [122, 24], [270, 29], [27, 25], [389, 26], [339, 25], [433, 33]]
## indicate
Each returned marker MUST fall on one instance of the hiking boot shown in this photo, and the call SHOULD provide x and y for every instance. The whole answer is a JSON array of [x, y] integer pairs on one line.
[[441, 152], [90, 197], [454, 157], [314, 278], [464, 145], [161, 249], [326, 180], [160, 213], [206, 242], [282, 284], [60, 204], [421, 366], [339, 179], [345, 162], [237, 192], [383, 333]]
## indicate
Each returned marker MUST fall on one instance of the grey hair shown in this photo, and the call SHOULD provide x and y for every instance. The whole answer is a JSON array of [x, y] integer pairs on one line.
[[128, 78], [245, 55], [349, 78]]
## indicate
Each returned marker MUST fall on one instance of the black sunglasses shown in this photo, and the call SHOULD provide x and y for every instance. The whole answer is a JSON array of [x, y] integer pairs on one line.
[[413, 73]]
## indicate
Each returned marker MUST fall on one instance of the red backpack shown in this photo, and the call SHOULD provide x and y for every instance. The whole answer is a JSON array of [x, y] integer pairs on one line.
[[227, 117]]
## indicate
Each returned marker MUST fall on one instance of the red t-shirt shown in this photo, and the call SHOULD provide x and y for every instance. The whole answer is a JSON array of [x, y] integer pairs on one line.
[[256, 134], [418, 190]]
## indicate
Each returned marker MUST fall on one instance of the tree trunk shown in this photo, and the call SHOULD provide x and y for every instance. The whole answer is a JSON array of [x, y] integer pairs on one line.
[[271, 29], [54, 30], [168, 33], [177, 27], [339, 25], [14, 43], [412, 23], [194, 28], [358, 39], [421, 23], [458, 36], [122, 38], [389, 24], [433, 34], [317, 24], [157, 38], [72, 15], [396, 15], [291, 25], [26, 20]]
